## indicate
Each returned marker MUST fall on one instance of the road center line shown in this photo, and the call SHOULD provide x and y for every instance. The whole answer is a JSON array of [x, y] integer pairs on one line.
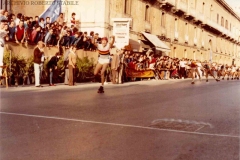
[[116, 124]]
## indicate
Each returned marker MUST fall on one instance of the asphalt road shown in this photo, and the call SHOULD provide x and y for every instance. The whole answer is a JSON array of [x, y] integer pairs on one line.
[[148, 120]]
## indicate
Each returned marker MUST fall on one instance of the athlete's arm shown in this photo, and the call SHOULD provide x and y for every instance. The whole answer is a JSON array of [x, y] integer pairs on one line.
[[112, 41]]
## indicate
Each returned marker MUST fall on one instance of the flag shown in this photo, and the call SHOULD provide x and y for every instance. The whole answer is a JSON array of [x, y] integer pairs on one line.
[[53, 11]]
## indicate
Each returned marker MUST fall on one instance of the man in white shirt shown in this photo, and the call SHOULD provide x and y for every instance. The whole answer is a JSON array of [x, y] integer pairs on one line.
[[182, 68]]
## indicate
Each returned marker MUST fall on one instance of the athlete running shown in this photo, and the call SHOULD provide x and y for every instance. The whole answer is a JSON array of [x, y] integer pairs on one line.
[[103, 59]]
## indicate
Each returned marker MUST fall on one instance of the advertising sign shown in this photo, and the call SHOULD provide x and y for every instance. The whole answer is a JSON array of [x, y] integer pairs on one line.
[[121, 31]]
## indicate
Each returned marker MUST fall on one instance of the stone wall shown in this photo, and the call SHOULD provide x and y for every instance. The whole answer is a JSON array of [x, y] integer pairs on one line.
[[27, 51]]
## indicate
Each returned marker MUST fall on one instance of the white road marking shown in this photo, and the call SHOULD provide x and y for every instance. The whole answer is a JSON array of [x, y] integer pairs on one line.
[[122, 125], [181, 121]]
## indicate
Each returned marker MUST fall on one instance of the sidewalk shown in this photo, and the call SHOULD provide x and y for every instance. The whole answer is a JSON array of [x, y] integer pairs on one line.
[[91, 85]]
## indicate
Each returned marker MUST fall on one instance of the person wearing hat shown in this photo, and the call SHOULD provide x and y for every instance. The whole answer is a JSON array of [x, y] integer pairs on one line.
[[103, 58], [38, 59]]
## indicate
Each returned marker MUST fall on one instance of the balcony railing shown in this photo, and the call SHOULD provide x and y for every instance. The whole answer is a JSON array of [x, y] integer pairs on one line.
[[201, 17], [221, 29], [213, 24], [192, 12], [224, 30], [171, 2], [182, 6]]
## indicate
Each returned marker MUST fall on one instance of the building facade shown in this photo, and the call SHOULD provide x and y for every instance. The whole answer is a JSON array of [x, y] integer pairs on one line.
[[194, 29]]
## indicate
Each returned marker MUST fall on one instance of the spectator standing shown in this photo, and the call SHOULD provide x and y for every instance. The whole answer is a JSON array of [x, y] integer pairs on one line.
[[72, 57], [17, 20], [66, 61], [86, 42], [182, 68], [48, 38], [5, 15], [20, 33], [60, 19], [34, 35], [1, 15], [114, 64], [42, 23], [36, 22], [121, 66], [73, 19], [52, 65], [38, 62], [48, 20], [12, 29]]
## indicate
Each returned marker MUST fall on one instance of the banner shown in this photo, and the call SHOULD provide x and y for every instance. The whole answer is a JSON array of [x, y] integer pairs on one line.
[[53, 11], [139, 74], [121, 31]]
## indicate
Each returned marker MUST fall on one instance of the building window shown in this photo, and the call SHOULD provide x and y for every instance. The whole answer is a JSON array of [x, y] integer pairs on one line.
[[127, 7], [211, 10], [217, 18], [176, 24], [147, 13], [195, 32], [4, 4], [186, 29], [203, 6], [163, 20], [226, 24], [222, 22]]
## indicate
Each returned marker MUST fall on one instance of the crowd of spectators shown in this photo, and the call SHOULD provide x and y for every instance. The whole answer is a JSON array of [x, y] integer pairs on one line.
[[30, 30], [165, 67]]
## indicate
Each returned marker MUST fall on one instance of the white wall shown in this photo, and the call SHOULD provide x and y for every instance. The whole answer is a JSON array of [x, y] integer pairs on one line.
[[91, 14]]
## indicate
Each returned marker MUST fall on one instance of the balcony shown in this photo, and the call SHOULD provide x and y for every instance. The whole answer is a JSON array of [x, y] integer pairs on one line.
[[199, 18], [182, 7], [224, 31], [167, 2], [213, 26], [191, 13], [148, 26]]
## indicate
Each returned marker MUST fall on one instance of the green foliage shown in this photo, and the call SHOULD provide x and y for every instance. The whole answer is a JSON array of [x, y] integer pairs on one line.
[[60, 72], [16, 65], [20, 67], [85, 67], [29, 69]]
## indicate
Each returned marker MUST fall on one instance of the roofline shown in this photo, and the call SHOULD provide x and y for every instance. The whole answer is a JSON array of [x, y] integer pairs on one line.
[[228, 8]]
